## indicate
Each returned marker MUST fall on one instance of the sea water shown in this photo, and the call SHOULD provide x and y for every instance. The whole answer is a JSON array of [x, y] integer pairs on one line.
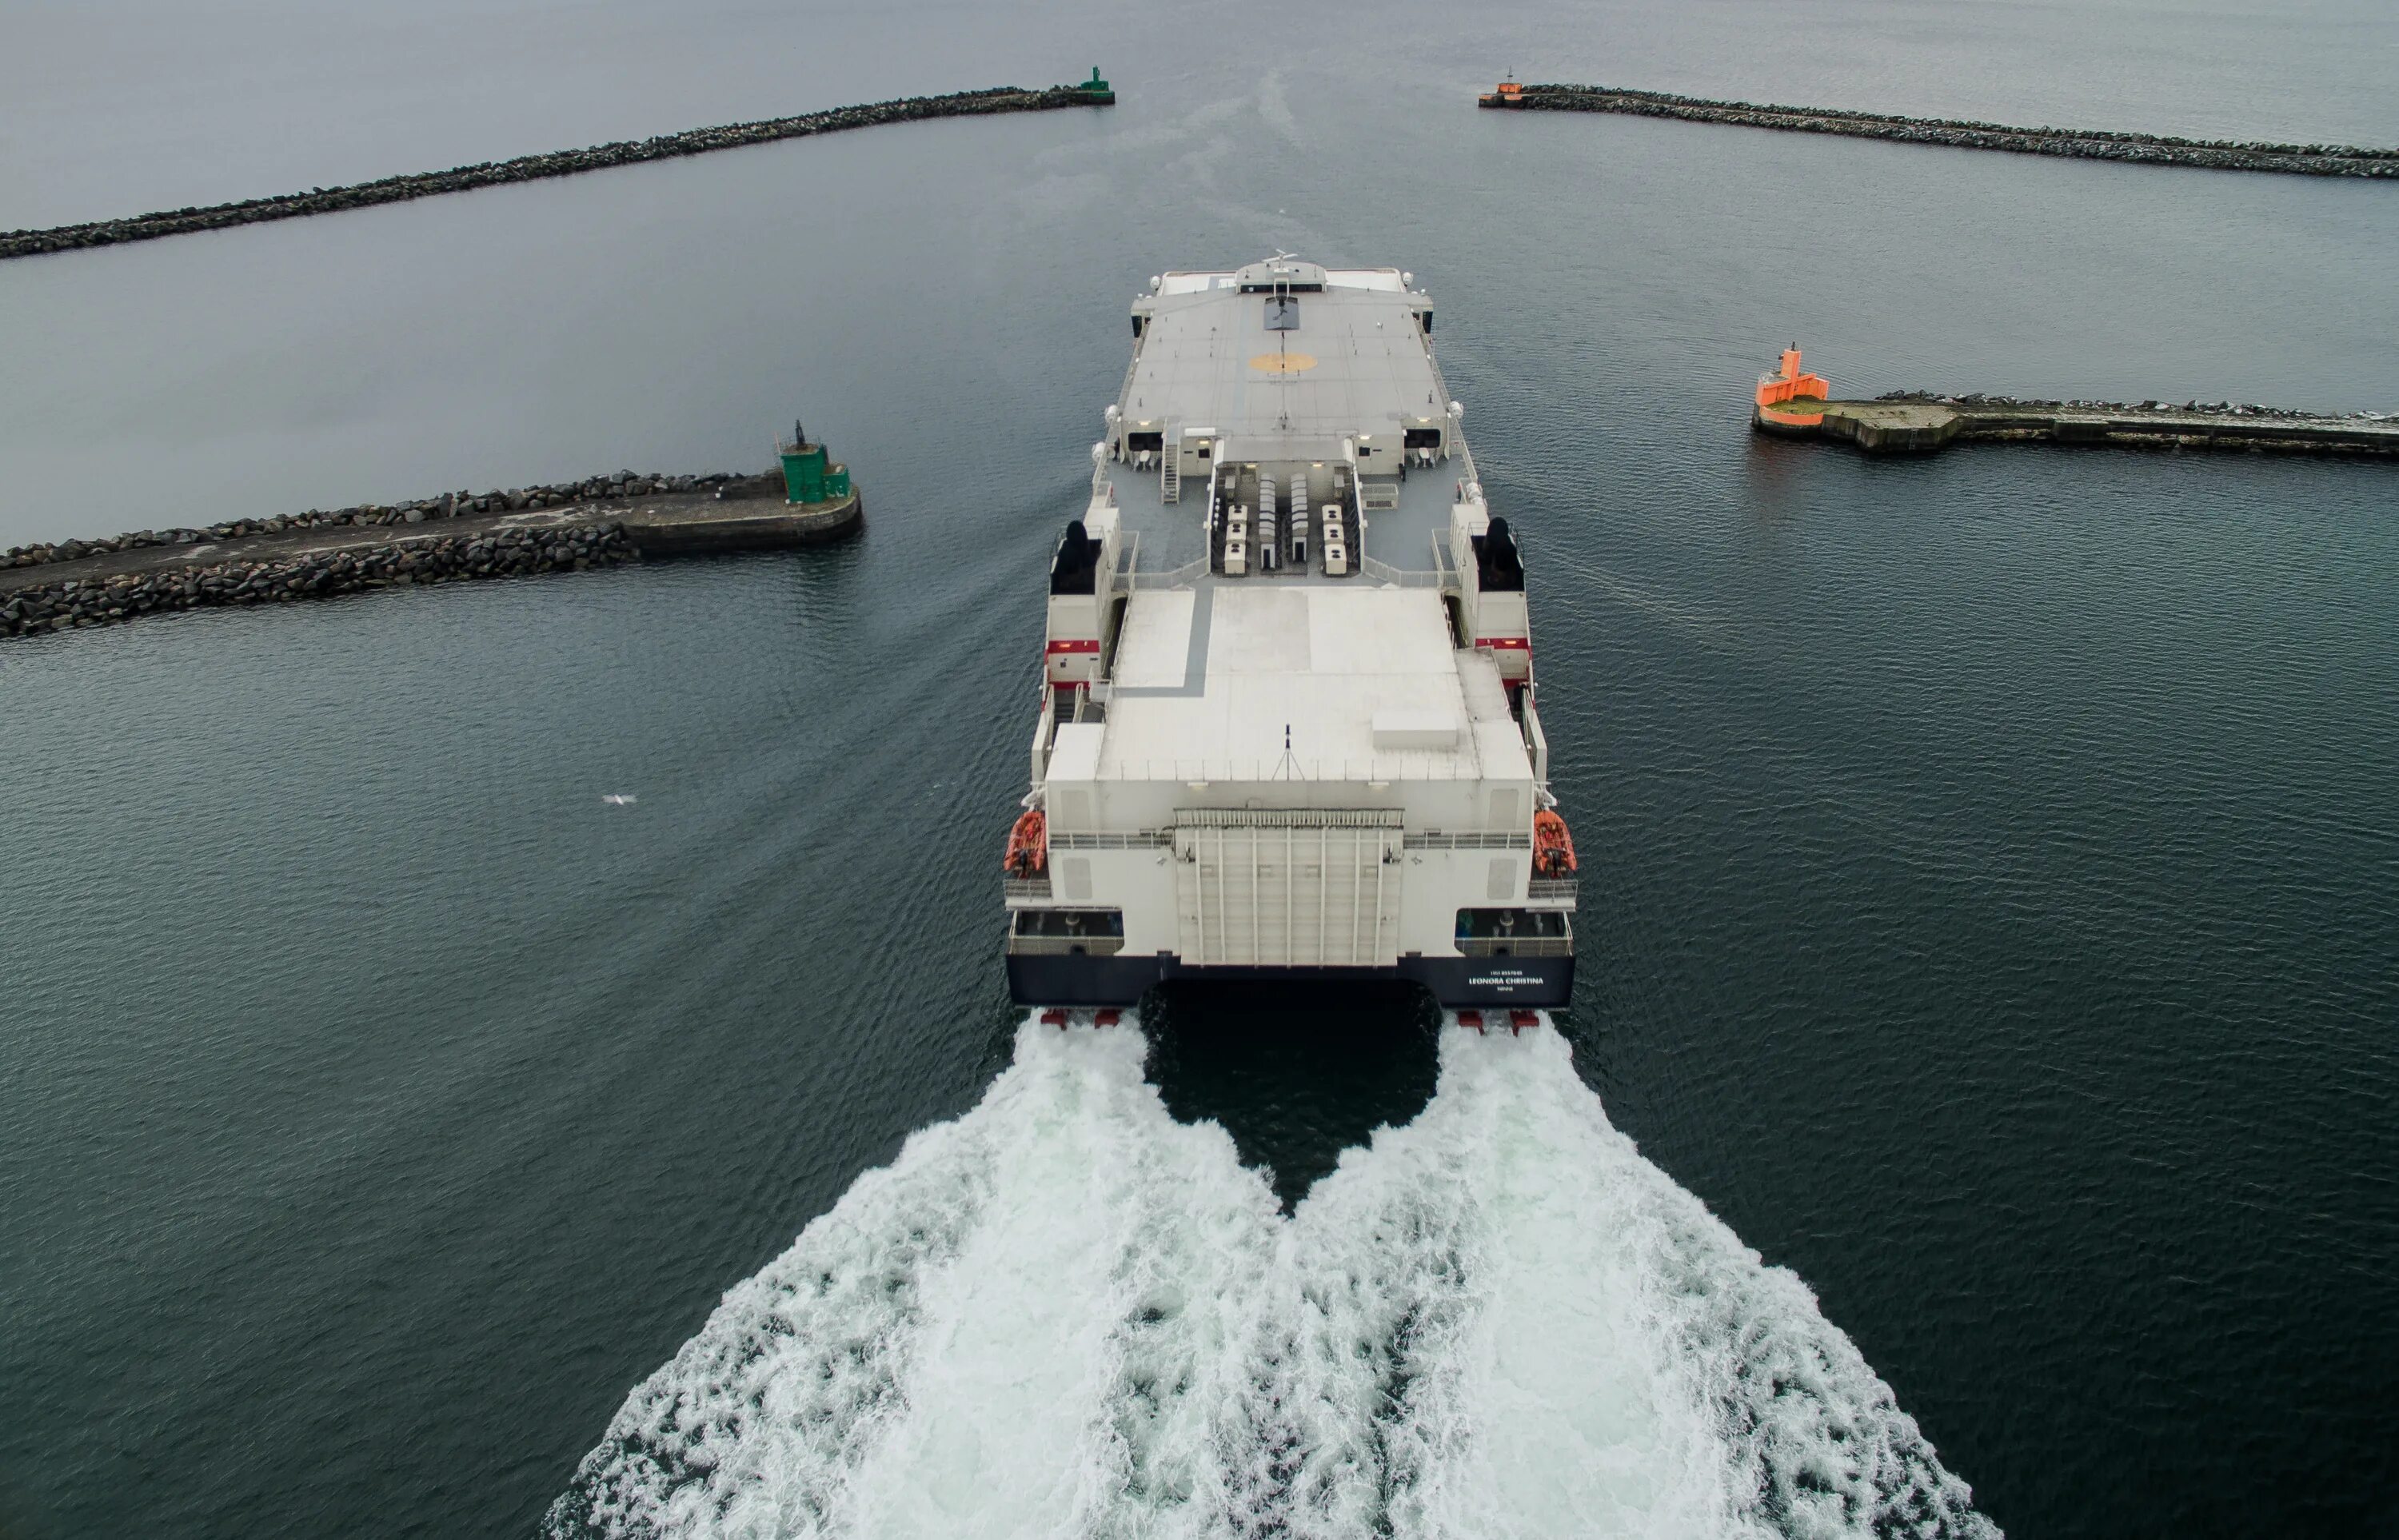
[[1988, 903]]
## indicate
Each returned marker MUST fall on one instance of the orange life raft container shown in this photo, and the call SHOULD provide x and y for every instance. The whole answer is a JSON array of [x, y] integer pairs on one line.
[[1028, 845], [1554, 852]]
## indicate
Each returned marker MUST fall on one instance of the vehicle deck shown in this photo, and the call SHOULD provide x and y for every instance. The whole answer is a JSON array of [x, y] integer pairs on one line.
[[1287, 371], [1174, 537]]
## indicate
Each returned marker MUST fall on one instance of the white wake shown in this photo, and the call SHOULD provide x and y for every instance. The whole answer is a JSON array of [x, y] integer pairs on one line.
[[1065, 1314]]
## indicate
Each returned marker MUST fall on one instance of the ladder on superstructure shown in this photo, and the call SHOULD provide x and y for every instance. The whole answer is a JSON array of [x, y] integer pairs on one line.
[[1170, 485]]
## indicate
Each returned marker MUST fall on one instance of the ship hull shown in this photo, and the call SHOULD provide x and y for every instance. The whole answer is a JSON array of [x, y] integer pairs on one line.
[[1119, 981]]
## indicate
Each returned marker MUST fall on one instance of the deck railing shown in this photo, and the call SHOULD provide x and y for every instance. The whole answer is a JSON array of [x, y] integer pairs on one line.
[[1465, 457], [1065, 946], [1173, 578], [1383, 572], [1139, 839], [1516, 946], [1044, 730], [1445, 571], [1127, 563], [1440, 386]]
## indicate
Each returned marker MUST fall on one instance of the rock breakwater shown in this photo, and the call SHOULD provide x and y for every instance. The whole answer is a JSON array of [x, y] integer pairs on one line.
[[560, 527], [399, 189], [2322, 160], [2219, 408], [449, 505], [75, 603]]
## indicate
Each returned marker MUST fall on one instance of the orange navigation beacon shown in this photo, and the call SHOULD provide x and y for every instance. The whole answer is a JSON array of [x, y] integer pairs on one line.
[[1789, 398]]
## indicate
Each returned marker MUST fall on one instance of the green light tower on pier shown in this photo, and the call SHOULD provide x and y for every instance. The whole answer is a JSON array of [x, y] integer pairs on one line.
[[810, 475]]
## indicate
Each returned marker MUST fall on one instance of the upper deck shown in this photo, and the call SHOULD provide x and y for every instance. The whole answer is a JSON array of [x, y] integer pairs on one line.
[[1283, 351], [1260, 398], [1286, 571]]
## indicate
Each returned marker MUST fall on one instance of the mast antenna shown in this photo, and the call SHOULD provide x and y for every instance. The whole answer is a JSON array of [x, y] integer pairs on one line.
[[1287, 767]]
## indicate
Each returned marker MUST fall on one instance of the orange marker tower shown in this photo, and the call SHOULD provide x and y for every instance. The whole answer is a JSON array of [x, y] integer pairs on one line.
[[1509, 94], [1789, 400]]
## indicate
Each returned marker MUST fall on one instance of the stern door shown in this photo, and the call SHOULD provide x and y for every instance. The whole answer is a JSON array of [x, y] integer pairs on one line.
[[1311, 889]]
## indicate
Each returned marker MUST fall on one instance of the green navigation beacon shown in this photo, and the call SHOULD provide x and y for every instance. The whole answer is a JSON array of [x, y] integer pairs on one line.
[[1094, 89], [810, 475]]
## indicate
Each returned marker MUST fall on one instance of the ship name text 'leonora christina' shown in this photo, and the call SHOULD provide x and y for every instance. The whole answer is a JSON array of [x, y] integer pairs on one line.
[[1287, 723]]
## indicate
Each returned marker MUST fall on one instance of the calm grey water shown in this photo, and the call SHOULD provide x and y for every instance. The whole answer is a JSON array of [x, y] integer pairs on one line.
[[1989, 862]]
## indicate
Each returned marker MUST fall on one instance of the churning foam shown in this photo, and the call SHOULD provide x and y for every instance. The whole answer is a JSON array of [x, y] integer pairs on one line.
[[1065, 1314]]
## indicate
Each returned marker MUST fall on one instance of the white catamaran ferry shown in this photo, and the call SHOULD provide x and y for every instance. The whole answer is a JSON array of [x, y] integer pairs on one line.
[[1287, 721]]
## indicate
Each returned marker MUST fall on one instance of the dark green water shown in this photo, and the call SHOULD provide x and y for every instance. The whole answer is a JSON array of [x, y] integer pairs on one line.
[[1989, 862]]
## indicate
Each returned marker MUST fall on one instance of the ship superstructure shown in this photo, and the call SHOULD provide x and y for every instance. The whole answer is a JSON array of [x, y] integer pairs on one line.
[[1287, 726]]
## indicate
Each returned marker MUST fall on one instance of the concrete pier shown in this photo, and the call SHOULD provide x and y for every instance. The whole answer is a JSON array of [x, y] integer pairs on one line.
[[715, 528], [1921, 425], [58, 587]]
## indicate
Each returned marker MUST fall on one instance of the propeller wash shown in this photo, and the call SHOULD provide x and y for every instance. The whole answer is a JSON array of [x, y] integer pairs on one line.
[[1067, 1315]]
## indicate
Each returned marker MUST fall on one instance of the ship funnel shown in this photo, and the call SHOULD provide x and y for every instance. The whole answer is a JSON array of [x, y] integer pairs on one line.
[[1499, 568], [1075, 568]]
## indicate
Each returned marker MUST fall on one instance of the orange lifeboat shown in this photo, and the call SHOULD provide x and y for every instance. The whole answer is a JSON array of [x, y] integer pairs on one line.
[[1028, 845], [1554, 852], [1789, 402]]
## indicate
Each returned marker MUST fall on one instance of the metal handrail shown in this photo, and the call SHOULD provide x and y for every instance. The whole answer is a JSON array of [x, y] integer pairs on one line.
[[1400, 765], [1063, 946], [1441, 389], [1466, 456], [1444, 569], [1045, 729], [1383, 572], [1140, 839], [1172, 578], [1127, 562], [1550, 889], [1516, 946]]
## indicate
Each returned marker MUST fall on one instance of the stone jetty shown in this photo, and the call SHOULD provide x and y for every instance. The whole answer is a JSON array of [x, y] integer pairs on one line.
[[1917, 423], [399, 189], [2319, 160], [565, 527]]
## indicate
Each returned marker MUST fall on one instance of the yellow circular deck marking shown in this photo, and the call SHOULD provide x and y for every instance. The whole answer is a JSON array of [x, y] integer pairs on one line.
[[1283, 364]]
